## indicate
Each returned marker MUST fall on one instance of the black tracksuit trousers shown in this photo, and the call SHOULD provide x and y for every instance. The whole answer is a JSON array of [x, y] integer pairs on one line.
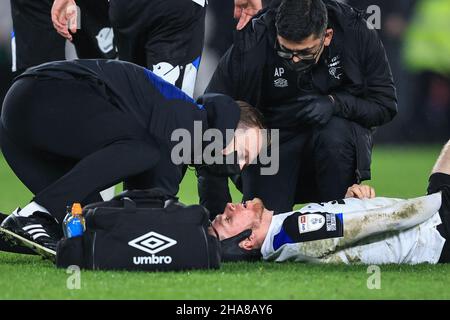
[[66, 142], [36, 40]]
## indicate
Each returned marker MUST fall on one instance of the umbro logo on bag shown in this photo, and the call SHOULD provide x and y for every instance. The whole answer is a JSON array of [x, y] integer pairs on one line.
[[152, 243], [36, 231]]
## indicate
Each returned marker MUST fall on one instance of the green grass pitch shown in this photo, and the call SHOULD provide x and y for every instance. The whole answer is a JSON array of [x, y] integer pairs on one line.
[[397, 172]]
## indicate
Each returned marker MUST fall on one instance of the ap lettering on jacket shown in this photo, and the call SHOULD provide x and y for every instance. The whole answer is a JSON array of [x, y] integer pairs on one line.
[[279, 72]]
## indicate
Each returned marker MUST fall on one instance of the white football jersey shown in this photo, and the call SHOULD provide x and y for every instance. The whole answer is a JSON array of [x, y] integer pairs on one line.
[[420, 242]]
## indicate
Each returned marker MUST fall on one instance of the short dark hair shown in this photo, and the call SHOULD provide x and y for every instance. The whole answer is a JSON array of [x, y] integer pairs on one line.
[[297, 20], [250, 116]]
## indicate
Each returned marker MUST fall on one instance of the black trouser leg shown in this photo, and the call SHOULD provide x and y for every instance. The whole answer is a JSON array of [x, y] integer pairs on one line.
[[174, 52], [95, 38], [129, 26], [333, 152], [38, 42], [276, 191], [69, 142], [58, 182], [96, 172], [35, 169], [163, 175], [35, 37], [166, 36]]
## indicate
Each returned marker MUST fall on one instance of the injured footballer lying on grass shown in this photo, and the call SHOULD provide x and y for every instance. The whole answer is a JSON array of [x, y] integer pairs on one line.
[[359, 229]]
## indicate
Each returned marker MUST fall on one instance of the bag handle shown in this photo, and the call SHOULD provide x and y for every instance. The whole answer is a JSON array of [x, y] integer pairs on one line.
[[146, 194], [129, 204]]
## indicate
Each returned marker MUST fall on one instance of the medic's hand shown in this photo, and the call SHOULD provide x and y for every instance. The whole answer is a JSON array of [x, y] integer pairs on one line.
[[244, 10], [65, 17], [360, 191], [231, 251], [317, 110]]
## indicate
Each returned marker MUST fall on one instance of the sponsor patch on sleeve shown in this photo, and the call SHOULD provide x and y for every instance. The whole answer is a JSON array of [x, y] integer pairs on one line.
[[310, 222], [302, 227]]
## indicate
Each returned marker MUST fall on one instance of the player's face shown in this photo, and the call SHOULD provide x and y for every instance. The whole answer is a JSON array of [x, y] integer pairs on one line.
[[238, 217]]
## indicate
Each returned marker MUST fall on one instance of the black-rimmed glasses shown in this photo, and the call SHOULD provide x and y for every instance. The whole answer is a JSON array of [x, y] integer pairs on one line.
[[289, 54]]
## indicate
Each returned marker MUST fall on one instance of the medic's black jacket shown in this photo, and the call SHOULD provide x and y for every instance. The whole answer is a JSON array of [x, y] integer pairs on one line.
[[154, 103], [368, 97]]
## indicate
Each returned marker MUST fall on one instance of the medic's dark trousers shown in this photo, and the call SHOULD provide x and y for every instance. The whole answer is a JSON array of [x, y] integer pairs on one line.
[[66, 142], [35, 40], [166, 36]]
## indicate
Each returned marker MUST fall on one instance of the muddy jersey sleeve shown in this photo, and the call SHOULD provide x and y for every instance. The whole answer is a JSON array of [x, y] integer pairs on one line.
[[319, 230]]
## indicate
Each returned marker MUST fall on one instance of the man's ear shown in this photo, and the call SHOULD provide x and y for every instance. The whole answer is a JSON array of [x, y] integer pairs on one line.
[[249, 243], [328, 37]]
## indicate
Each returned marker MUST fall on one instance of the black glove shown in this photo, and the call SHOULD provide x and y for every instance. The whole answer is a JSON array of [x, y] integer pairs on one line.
[[232, 252], [318, 110]]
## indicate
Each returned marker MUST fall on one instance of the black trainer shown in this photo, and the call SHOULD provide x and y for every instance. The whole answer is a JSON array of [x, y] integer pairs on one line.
[[8, 246], [40, 232]]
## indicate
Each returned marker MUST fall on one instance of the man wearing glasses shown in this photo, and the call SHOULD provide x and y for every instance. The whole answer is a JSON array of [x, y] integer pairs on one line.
[[319, 73]]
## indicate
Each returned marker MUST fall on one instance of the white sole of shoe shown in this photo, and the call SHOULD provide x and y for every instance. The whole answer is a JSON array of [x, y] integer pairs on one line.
[[39, 249]]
